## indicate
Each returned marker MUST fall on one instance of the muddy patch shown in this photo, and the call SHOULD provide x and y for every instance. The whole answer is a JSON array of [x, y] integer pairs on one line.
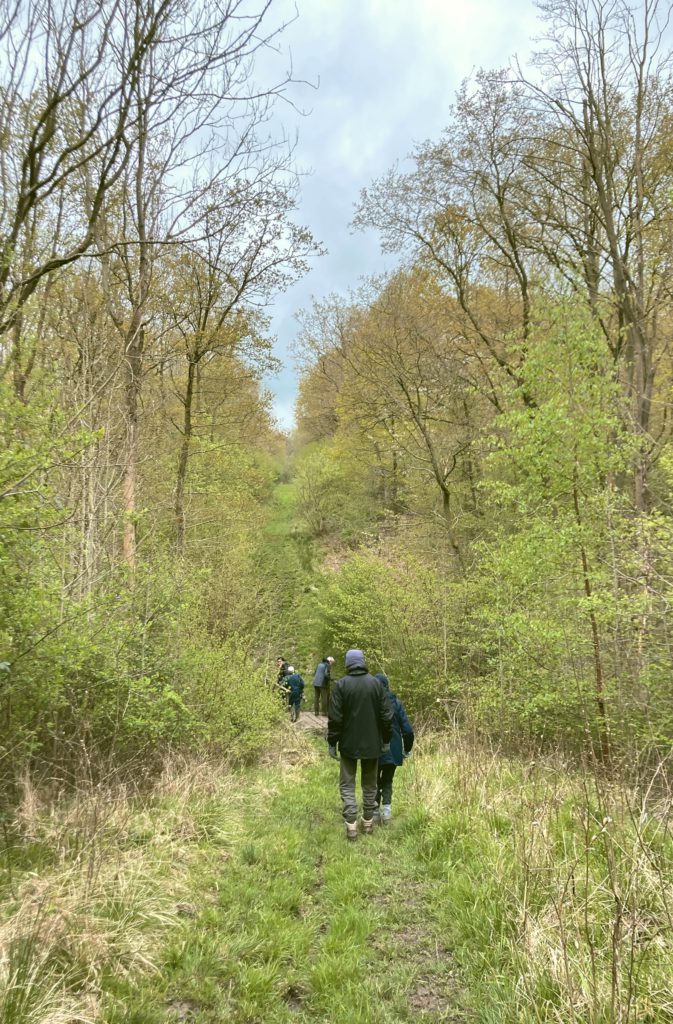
[[412, 937], [427, 997], [294, 998], [436, 994], [414, 944], [183, 1009], [185, 910]]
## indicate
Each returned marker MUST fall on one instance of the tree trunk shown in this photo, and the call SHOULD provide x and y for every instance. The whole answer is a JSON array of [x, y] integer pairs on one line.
[[599, 675], [135, 345], [132, 374], [183, 459]]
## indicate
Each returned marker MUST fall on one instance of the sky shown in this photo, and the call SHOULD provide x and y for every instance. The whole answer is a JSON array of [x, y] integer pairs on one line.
[[385, 74]]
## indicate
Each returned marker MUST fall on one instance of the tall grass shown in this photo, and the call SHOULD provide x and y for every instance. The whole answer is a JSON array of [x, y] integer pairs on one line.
[[546, 891], [558, 885], [94, 882]]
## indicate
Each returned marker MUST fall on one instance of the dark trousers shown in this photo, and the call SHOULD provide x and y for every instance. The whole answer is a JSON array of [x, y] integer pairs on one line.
[[348, 768], [294, 711], [320, 699], [384, 790]]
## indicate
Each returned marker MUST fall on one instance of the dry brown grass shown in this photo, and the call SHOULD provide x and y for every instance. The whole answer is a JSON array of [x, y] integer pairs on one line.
[[119, 867]]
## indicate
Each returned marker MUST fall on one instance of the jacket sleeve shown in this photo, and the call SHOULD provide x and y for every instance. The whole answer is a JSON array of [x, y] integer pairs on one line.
[[335, 716], [386, 714], [405, 728]]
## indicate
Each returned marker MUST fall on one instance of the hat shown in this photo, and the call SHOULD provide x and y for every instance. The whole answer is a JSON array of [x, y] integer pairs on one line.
[[355, 659], [290, 669]]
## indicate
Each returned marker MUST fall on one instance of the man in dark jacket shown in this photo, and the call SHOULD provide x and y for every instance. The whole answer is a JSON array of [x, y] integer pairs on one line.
[[321, 683], [360, 722]]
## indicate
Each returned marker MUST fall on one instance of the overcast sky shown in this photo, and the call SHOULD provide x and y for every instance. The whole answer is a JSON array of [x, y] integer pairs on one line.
[[387, 72]]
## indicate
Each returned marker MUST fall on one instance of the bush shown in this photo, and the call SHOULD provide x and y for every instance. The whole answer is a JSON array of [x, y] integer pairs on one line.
[[398, 612]]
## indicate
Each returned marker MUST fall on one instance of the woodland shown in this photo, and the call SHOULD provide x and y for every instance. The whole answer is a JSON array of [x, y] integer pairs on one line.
[[478, 491], [482, 459]]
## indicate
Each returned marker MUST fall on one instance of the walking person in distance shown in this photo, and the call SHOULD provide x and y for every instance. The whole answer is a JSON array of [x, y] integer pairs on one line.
[[321, 685], [294, 687]]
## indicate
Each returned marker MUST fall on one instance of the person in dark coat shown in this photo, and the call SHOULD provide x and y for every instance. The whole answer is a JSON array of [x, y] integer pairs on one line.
[[359, 724], [401, 743], [283, 669], [321, 685], [294, 687]]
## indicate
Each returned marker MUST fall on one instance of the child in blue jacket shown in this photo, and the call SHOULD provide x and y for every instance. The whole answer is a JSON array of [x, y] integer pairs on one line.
[[401, 742], [294, 687]]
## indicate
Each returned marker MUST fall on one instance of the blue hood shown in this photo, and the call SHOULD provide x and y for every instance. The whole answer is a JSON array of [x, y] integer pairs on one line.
[[355, 659], [383, 678]]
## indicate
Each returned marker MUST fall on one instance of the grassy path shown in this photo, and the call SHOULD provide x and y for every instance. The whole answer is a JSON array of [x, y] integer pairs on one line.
[[504, 892], [288, 922]]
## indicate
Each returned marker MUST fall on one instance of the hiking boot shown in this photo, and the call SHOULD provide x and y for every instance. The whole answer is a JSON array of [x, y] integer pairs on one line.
[[351, 830], [376, 816], [367, 826], [386, 814]]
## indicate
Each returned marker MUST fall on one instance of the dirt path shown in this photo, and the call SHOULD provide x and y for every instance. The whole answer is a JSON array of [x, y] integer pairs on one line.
[[312, 723]]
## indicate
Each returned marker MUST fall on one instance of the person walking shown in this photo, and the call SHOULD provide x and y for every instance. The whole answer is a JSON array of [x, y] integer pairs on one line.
[[359, 725], [321, 685], [401, 743], [294, 687]]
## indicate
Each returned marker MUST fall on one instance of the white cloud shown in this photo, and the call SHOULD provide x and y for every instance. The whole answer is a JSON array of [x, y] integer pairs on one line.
[[388, 71], [283, 409]]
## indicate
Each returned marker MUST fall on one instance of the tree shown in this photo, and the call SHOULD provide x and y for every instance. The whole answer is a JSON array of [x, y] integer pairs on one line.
[[551, 182], [458, 214], [249, 250], [606, 105], [66, 115], [134, 142], [407, 392], [198, 114]]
